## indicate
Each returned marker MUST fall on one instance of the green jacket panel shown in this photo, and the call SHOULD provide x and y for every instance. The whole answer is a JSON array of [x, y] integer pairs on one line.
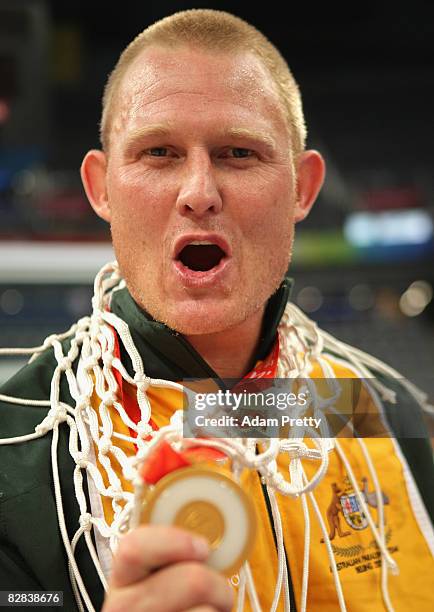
[[32, 554]]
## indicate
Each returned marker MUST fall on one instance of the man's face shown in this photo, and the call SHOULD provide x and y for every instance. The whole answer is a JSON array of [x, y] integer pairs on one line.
[[200, 187]]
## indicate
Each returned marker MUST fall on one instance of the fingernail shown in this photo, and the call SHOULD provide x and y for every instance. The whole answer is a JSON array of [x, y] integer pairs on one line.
[[201, 547]]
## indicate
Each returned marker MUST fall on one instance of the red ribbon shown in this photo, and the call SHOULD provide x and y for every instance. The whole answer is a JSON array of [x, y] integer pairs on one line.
[[164, 459]]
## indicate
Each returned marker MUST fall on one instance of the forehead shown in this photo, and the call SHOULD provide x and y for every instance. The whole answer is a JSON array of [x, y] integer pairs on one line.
[[160, 78]]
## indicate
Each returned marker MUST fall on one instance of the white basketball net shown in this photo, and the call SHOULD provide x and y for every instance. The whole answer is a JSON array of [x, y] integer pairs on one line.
[[92, 342]]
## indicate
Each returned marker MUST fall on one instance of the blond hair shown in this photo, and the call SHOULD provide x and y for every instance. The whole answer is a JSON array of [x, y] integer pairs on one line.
[[212, 30]]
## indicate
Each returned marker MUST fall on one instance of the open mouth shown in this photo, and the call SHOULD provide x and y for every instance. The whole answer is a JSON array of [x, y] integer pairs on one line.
[[201, 256]]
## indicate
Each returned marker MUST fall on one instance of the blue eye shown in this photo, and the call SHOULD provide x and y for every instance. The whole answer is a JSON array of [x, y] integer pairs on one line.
[[239, 152], [158, 151]]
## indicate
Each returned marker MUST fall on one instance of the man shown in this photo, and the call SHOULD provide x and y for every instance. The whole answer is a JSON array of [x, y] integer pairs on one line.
[[202, 177]]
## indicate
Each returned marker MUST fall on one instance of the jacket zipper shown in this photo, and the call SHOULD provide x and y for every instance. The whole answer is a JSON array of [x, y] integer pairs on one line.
[[270, 516]]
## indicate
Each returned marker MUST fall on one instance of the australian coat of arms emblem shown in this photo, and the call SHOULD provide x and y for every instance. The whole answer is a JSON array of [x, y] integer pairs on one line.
[[344, 501]]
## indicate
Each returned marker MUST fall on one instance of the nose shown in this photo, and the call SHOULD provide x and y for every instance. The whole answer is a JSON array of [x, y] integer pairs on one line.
[[199, 194]]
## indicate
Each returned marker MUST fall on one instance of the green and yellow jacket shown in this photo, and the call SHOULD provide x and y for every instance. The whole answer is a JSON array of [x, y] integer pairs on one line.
[[32, 556]]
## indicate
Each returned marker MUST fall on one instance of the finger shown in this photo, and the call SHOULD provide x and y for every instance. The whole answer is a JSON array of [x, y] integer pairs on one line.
[[181, 586], [202, 609], [190, 585], [147, 548]]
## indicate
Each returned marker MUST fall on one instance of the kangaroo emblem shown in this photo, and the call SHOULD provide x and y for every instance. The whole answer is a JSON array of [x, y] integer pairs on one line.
[[333, 515]]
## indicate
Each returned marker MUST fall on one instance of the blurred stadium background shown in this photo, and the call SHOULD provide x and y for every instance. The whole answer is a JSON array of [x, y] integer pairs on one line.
[[363, 262]]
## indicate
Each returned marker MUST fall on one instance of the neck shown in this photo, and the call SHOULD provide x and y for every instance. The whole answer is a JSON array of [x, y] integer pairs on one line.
[[230, 352]]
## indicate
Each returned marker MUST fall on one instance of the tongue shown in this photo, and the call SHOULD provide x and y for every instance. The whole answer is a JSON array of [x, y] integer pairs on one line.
[[201, 257]]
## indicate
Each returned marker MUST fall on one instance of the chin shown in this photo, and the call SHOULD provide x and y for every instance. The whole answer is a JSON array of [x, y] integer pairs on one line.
[[200, 318], [210, 315], [200, 321]]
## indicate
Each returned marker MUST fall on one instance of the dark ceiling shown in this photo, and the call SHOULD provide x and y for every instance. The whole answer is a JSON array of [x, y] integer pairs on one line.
[[311, 34], [364, 68], [365, 72]]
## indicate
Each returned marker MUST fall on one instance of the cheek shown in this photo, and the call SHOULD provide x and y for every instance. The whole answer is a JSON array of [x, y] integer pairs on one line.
[[266, 213], [268, 228], [137, 201]]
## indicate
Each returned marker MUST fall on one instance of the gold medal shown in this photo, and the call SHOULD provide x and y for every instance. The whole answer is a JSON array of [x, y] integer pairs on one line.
[[210, 504]]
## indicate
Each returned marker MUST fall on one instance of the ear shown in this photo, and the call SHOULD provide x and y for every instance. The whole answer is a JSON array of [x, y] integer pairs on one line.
[[310, 171], [93, 174]]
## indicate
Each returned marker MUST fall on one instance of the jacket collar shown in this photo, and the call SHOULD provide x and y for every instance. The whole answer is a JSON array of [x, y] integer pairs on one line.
[[167, 354]]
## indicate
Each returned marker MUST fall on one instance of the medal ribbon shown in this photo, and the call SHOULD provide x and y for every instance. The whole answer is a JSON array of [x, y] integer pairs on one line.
[[165, 459]]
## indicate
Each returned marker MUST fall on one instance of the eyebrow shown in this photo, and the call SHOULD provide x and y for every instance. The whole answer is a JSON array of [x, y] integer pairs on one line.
[[147, 131], [261, 137], [164, 131]]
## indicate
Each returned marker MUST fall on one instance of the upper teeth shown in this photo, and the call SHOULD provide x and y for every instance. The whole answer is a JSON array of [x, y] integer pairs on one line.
[[200, 242]]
